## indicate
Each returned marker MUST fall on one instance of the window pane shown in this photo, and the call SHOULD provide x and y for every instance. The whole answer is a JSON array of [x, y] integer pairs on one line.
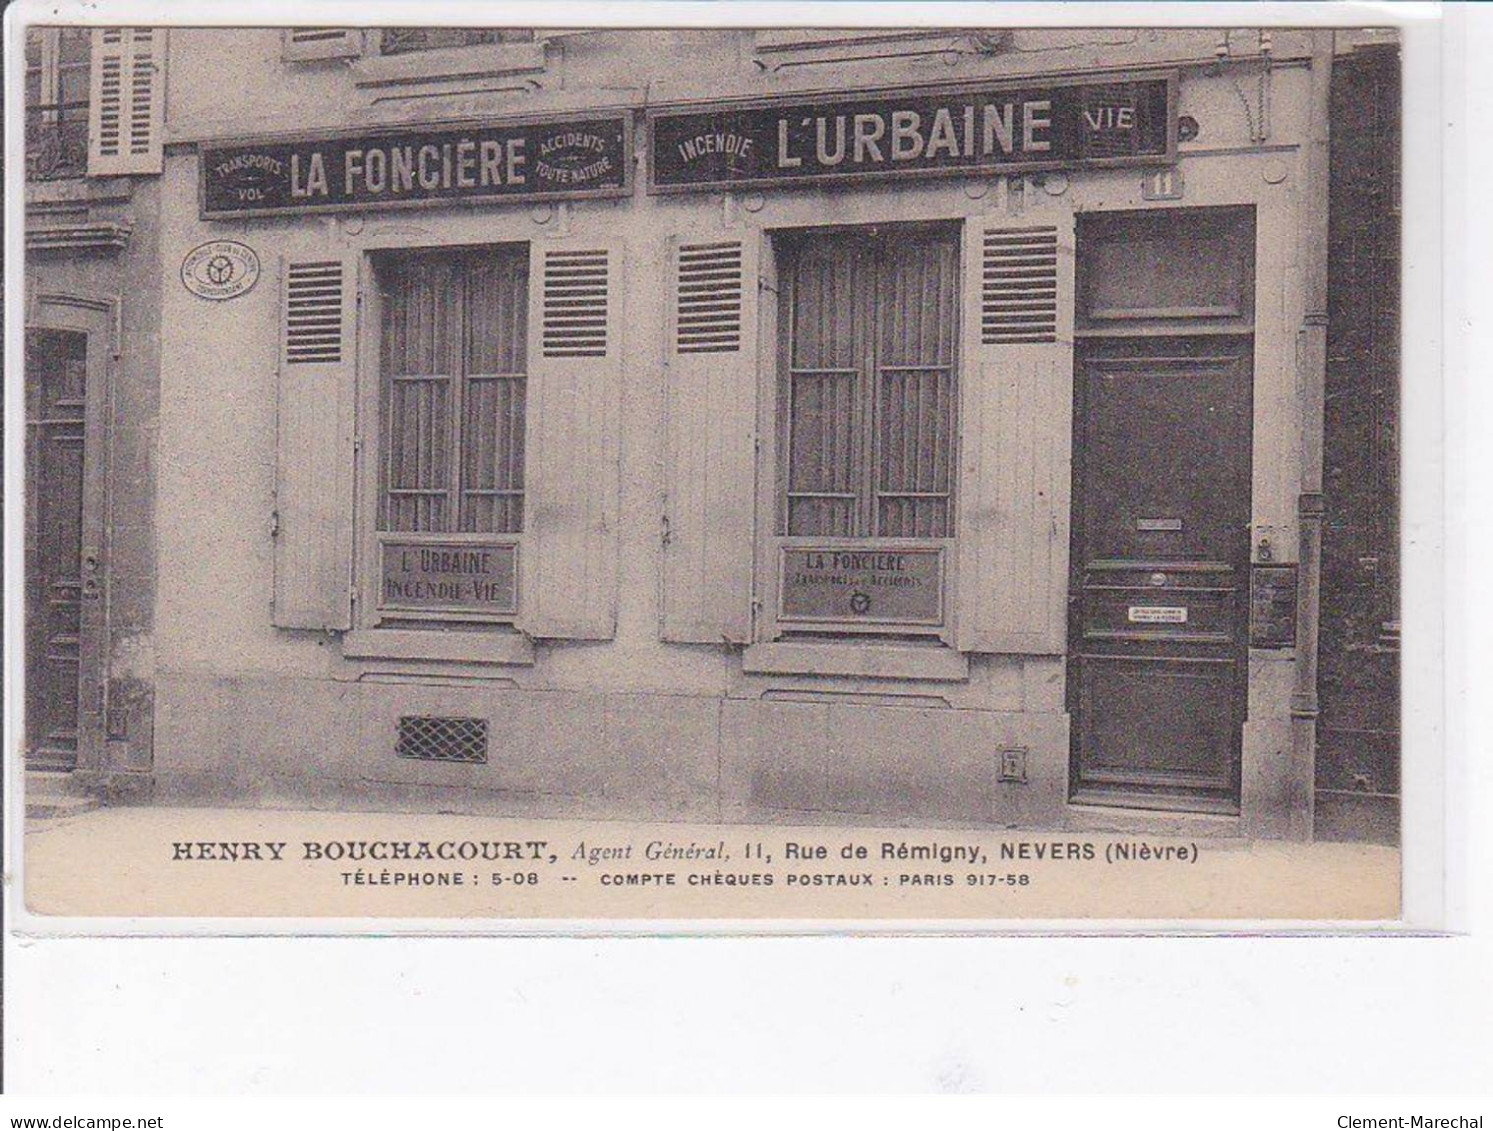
[[498, 311], [73, 85], [493, 428], [420, 363], [868, 399], [493, 474], [833, 288], [454, 396], [821, 485], [74, 45], [914, 411]]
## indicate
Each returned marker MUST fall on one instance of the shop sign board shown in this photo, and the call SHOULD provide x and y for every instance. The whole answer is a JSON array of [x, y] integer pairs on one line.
[[419, 165], [846, 585], [449, 577], [989, 129]]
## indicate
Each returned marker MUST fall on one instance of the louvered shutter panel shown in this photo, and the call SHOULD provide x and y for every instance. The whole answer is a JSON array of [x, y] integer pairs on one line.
[[303, 44], [126, 100], [568, 562], [711, 440], [1016, 412], [313, 517]]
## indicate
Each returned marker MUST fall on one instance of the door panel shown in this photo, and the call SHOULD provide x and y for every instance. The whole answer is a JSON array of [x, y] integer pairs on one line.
[[1169, 722], [56, 381], [1158, 600]]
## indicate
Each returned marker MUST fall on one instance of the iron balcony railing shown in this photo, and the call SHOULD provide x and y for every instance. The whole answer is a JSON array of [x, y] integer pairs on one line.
[[56, 141]]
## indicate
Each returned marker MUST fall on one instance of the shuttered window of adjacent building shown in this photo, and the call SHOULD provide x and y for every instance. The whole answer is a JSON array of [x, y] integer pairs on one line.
[[454, 376], [126, 100], [866, 401]]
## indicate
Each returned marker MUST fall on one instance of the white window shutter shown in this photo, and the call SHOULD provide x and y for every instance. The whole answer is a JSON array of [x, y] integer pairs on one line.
[[305, 44], [126, 104], [1016, 412], [568, 560], [312, 522], [710, 496]]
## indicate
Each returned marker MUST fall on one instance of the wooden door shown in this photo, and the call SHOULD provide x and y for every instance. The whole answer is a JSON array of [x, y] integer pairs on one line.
[[1160, 631], [56, 384], [1159, 565]]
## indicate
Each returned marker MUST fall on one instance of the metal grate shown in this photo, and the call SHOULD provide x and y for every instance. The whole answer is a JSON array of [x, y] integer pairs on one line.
[[313, 313], [1019, 297], [575, 303], [439, 738], [709, 298]]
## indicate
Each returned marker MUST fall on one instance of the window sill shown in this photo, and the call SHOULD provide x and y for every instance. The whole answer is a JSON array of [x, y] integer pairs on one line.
[[865, 660], [448, 63], [73, 191], [511, 648]]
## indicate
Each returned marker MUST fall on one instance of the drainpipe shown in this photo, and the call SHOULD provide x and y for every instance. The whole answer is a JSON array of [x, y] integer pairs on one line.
[[1311, 355]]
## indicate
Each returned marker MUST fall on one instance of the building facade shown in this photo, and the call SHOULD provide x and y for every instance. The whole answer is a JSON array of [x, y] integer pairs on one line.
[[915, 425], [93, 112], [1358, 753]]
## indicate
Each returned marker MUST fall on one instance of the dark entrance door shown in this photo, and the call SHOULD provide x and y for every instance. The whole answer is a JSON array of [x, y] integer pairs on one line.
[[56, 382], [1158, 600]]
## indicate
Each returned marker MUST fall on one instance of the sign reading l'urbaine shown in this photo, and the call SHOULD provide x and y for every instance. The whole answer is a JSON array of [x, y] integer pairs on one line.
[[995, 129]]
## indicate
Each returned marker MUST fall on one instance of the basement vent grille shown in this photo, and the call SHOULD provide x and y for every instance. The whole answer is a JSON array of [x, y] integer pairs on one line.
[[1019, 299], [709, 298], [313, 313], [575, 303], [437, 738]]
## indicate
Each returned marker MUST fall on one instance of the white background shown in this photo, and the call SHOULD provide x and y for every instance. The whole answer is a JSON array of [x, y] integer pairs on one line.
[[155, 1017]]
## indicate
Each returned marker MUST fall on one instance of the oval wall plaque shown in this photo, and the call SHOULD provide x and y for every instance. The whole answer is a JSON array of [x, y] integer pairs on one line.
[[220, 269]]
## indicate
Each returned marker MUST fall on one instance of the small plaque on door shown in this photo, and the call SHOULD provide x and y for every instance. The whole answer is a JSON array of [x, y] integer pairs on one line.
[[1158, 614], [1153, 525]]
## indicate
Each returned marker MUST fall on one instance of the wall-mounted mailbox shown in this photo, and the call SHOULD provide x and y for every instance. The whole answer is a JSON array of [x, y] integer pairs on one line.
[[1272, 606]]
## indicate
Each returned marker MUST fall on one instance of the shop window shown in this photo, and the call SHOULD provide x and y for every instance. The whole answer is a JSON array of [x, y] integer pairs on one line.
[[57, 83], [453, 391], [866, 399], [403, 40]]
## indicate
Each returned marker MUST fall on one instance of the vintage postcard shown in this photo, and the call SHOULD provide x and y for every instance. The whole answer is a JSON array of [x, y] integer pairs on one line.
[[684, 475]]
